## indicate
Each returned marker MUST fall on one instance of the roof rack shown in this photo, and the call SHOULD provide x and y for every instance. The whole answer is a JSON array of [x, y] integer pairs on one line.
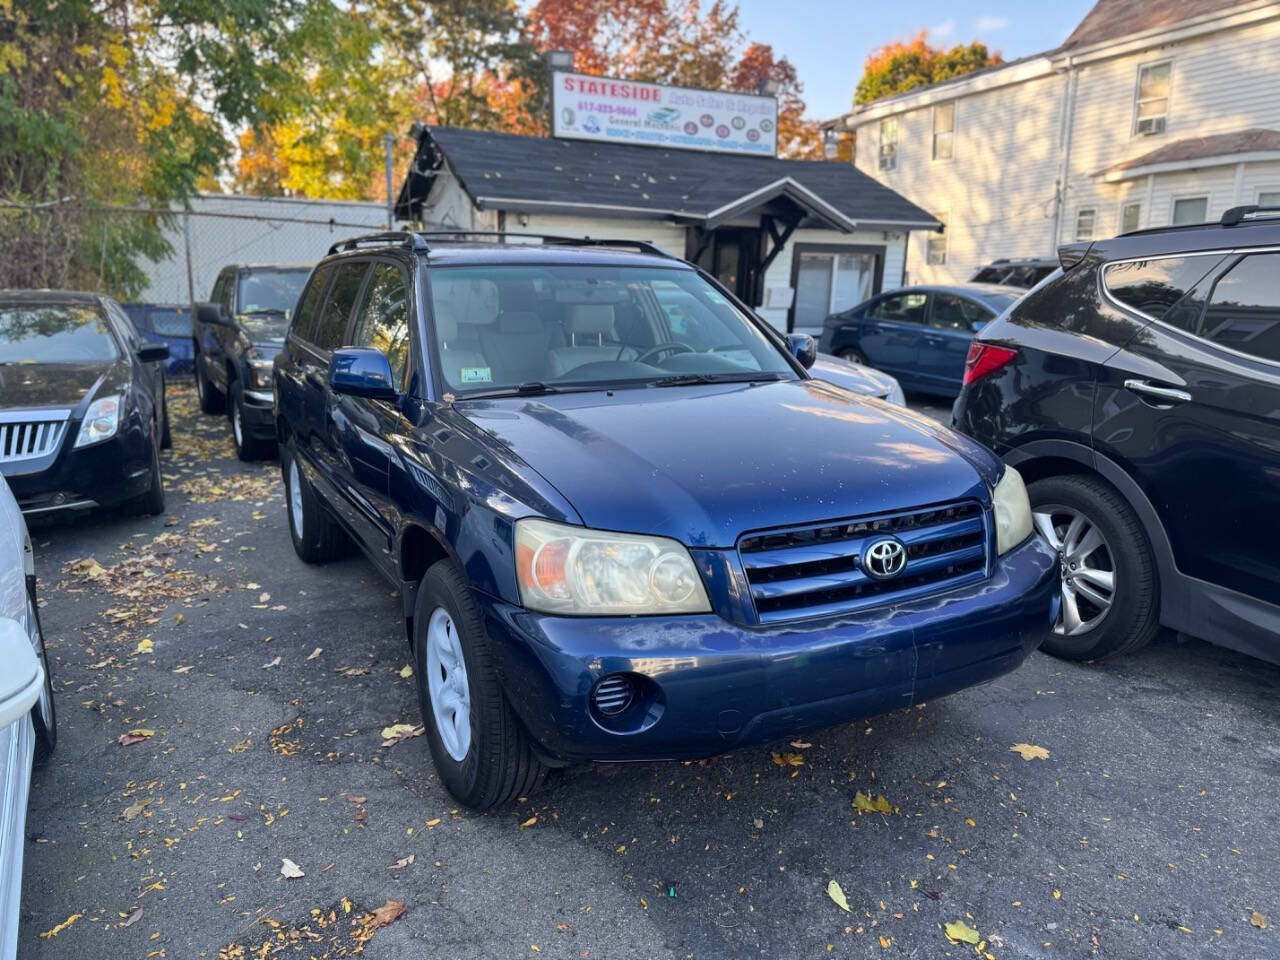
[[1235, 215], [420, 240]]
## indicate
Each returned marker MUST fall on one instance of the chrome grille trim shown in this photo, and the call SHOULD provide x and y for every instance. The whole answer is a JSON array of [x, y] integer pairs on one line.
[[816, 570], [31, 434]]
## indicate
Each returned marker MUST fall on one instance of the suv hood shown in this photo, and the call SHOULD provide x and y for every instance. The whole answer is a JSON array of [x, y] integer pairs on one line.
[[705, 464], [27, 385]]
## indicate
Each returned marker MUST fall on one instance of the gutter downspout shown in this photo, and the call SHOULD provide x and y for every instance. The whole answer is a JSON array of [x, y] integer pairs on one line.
[[1064, 144]]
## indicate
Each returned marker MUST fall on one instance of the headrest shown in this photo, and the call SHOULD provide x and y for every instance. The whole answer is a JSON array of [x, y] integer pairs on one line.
[[594, 319], [519, 321], [446, 324], [465, 299]]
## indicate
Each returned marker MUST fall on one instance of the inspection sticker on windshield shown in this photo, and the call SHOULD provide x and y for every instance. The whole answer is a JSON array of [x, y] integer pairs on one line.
[[476, 375]]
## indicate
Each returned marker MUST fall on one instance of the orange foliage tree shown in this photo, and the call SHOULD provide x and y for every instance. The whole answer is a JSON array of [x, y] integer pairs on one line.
[[904, 65]]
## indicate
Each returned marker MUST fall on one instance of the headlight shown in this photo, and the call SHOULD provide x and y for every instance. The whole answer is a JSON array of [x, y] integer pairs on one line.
[[573, 570], [259, 369], [1012, 509], [101, 421], [895, 395]]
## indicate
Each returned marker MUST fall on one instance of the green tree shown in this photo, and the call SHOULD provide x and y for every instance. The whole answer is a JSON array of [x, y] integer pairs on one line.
[[901, 66]]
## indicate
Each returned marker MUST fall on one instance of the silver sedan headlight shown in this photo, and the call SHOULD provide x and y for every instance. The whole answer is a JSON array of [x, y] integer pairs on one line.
[[573, 570], [895, 395], [1012, 510]]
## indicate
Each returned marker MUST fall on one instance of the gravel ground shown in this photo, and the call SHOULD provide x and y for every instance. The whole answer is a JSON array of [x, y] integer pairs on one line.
[[256, 689]]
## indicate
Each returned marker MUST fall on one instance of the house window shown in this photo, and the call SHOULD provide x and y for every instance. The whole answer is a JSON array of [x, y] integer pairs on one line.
[[1190, 210], [944, 130], [1085, 218], [889, 143], [935, 251], [1152, 108], [1269, 198], [1130, 217]]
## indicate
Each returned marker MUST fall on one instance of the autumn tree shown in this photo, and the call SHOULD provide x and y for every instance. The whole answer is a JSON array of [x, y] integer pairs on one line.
[[905, 65], [797, 137]]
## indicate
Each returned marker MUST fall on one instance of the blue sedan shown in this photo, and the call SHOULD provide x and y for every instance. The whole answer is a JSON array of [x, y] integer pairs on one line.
[[920, 334]]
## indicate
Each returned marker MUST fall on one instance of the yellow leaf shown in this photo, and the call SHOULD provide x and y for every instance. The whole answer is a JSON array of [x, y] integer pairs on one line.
[[884, 943], [406, 672], [1057, 894], [958, 931], [144, 646], [837, 896], [142, 732], [863, 803], [1258, 920], [315, 653], [433, 823], [529, 823], [970, 821], [49, 934], [1029, 751], [788, 759]]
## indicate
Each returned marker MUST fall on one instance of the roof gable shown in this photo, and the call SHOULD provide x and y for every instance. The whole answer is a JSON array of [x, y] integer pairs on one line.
[[1116, 19]]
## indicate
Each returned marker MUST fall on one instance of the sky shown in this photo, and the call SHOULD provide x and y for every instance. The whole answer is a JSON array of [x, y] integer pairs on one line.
[[828, 40]]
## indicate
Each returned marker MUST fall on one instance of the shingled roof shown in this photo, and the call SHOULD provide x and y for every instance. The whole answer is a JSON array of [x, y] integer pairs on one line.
[[502, 171], [1112, 19], [1221, 146]]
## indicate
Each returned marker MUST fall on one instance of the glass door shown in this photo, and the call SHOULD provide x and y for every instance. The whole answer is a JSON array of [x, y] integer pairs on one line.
[[830, 281]]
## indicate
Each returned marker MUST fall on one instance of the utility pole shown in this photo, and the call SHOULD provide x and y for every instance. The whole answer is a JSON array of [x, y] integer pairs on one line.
[[390, 142], [186, 240]]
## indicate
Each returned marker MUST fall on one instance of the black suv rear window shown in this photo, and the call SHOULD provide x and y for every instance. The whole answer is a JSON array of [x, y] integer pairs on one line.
[[1153, 286]]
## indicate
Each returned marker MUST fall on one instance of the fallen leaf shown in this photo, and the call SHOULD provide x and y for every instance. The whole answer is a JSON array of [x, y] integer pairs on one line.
[[1029, 751], [358, 801], [958, 931], [179, 618], [801, 745], [402, 863], [884, 943], [49, 934], [788, 759], [144, 646], [271, 663], [182, 670], [837, 896], [389, 912], [400, 731], [132, 737], [290, 869], [529, 823], [315, 653], [863, 803], [88, 567], [133, 810], [1057, 894], [133, 918], [1258, 920], [406, 672]]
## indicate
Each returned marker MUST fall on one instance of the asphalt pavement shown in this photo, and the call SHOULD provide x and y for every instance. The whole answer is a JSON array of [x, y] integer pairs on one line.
[[226, 786]]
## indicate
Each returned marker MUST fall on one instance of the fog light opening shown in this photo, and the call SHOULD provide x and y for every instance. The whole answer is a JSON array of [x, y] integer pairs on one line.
[[613, 695]]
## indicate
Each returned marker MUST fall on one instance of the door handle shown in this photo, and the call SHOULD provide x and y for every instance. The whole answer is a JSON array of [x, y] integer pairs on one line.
[[1165, 395]]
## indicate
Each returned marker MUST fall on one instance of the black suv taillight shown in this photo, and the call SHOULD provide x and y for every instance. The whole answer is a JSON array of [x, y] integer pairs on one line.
[[985, 359]]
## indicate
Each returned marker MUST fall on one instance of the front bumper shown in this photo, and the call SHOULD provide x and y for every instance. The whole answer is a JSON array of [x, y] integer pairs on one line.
[[709, 685], [259, 419], [106, 473]]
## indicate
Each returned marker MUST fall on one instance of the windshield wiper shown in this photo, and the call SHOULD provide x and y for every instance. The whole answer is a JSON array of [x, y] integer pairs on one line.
[[687, 379], [263, 311], [530, 388]]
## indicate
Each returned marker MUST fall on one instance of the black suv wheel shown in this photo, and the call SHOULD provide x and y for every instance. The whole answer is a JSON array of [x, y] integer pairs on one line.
[[248, 448], [316, 536], [1109, 585], [211, 399]]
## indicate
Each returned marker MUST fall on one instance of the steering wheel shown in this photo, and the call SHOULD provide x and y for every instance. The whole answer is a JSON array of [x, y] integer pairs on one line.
[[662, 348]]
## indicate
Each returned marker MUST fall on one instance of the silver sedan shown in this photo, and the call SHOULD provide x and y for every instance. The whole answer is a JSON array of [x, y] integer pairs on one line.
[[28, 727]]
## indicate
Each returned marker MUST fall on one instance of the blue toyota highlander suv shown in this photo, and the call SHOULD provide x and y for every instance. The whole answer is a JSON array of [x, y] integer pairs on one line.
[[625, 522]]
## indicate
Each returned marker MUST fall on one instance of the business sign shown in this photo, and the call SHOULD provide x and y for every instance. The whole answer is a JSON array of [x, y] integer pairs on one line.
[[648, 114]]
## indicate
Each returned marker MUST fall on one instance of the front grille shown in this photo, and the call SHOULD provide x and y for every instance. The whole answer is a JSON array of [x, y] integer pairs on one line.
[[30, 436], [817, 571]]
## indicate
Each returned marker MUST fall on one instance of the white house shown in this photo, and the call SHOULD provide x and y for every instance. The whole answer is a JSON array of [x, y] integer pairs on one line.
[[795, 239], [1153, 112]]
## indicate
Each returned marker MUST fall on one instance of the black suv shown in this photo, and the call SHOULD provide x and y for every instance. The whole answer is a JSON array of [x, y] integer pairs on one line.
[[236, 337], [1138, 392]]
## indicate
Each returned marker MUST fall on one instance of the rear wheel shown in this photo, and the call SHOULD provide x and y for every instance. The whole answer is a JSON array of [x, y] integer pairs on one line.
[[248, 448], [1108, 581], [211, 399], [853, 356], [317, 537], [44, 716], [483, 756]]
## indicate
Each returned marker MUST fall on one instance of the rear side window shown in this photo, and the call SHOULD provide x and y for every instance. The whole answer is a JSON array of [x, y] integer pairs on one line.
[[1152, 287], [957, 313], [1244, 311], [383, 320], [304, 324], [332, 325], [900, 307]]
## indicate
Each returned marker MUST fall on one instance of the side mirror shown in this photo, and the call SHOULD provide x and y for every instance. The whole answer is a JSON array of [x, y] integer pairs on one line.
[[211, 314], [361, 372], [803, 347], [153, 352], [22, 677]]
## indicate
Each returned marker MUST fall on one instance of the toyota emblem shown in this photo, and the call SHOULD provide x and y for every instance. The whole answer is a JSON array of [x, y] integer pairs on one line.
[[884, 559]]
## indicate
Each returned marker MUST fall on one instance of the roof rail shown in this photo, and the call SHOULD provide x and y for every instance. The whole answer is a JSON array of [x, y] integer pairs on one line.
[[643, 246], [1235, 215], [405, 238]]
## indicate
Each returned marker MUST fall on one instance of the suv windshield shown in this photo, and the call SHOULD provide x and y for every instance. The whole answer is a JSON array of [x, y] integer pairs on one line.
[[498, 328], [58, 333], [266, 298]]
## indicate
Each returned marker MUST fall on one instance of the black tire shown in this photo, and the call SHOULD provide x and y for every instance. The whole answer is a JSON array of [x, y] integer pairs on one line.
[[166, 435], [321, 539], [853, 356], [151, 503], [46, 732], [1133, 617], [248, 449], [211, 398], [500, 763]]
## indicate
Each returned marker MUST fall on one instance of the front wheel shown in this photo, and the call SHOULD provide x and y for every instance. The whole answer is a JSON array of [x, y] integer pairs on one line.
[[248, 448], [211, 399], [316, 536], [483, 756], [853, 356], [1107, 574]]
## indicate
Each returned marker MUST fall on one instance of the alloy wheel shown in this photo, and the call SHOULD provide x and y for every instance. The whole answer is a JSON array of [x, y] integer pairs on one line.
[[236, 426], [295, 497], [447, 683], [1086, 568]]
